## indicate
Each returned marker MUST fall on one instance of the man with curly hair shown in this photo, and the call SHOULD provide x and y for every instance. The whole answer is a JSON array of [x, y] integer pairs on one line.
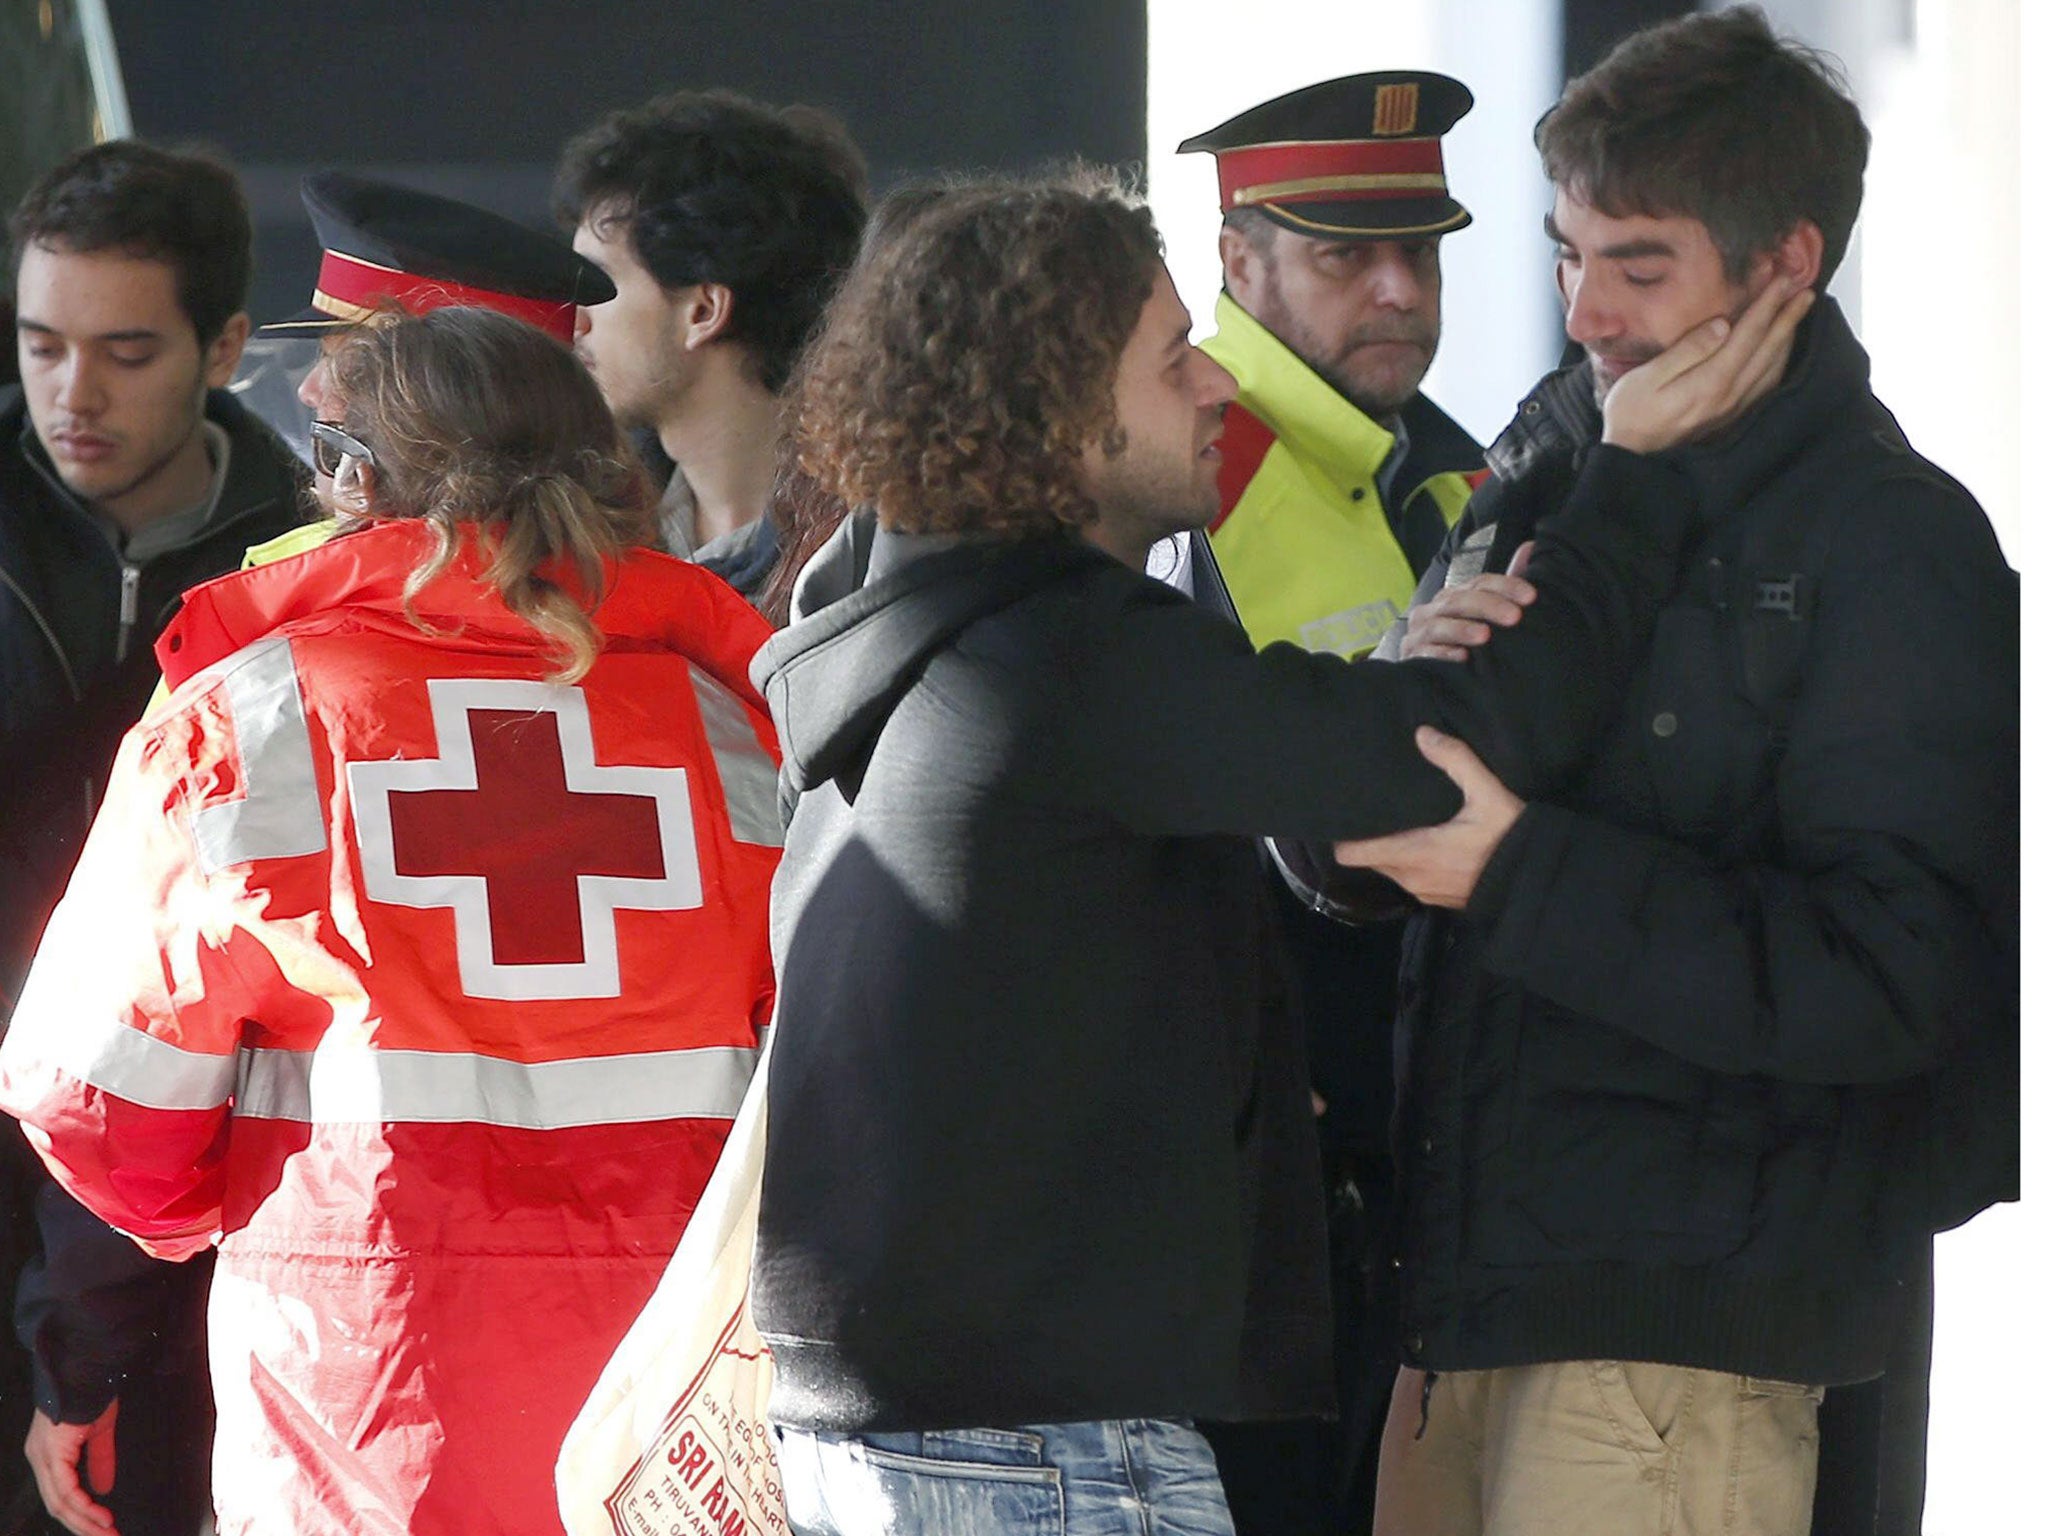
[[725, 225], [1042, 1184]]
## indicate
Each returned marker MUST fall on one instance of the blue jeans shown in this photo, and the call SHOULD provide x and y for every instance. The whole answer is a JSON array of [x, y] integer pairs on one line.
[[1111, 1477]]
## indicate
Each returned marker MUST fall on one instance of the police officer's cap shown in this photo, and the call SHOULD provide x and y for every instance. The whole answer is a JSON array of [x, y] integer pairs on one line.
[[382, 244], [1359, 158]]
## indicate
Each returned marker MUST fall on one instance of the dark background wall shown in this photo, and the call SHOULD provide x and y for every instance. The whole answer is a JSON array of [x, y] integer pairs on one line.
[[475, 99], [1591, 27]]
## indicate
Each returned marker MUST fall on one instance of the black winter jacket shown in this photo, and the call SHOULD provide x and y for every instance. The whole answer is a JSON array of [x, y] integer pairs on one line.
[[1347, 974], [76, 670], [1040, 1146], [1681, 1082], [76, 629]]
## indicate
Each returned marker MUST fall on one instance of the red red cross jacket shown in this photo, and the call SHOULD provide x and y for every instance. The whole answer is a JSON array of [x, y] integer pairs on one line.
[[427, 988]]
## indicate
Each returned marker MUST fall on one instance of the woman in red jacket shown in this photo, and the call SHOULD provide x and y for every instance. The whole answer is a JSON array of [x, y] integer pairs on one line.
[[419, 955]]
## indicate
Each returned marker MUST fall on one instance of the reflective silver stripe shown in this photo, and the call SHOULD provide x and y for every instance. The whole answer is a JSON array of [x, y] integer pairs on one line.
[[354, 1084], [142, 1069], [744, 768], [278, 816]]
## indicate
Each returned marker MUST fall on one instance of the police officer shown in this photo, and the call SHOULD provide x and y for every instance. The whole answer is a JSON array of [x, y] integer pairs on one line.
[[1339, 477], [1339, 480]]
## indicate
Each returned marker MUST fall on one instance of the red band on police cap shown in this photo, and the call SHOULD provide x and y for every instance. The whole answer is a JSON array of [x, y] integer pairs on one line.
[[351, 289], [1347, 170]]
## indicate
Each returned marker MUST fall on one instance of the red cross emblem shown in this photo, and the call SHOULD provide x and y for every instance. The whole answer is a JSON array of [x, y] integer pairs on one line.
[[532, 844]]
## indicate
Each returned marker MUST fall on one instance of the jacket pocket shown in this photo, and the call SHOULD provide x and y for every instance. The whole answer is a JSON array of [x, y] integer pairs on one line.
[[1615, 1151]]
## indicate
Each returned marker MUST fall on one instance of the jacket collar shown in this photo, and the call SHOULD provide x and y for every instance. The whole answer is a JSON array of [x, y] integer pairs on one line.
[[1557, 416], [1286, 394], [653, 601], [263, 473]]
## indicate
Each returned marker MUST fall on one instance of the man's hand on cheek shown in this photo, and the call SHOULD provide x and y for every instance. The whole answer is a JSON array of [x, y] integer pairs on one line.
[[1708, 377]]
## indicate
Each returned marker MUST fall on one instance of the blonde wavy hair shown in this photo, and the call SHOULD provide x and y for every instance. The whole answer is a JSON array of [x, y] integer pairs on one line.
[[972, 356], [478, 422]]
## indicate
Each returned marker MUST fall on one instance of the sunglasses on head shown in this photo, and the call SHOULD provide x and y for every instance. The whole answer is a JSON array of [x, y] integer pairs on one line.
[[331, 445]]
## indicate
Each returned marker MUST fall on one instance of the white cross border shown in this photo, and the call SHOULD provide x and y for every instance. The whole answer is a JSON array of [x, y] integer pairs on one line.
[[371, 785]]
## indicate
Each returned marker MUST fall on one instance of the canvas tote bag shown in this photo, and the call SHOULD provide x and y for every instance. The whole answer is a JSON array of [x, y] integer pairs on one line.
[[674, 1440]]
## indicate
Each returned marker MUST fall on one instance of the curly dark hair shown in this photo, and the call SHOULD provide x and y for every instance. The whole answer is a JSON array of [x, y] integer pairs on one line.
[[804, 512], [183, 209], [966, 365], [1717, 118], [712, 187]]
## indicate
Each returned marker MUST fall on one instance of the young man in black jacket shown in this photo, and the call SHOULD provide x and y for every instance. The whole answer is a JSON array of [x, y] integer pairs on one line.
[[127, 474], [1709, 1041], [1041, 1184]]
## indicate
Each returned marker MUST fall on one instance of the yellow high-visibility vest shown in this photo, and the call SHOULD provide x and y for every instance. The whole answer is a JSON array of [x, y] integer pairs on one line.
[[1302, 540], [295, 542]]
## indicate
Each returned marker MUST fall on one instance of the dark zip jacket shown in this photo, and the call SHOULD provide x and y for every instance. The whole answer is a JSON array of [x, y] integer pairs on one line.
[[1040, 1144], [1681, 1083], [77, 624]]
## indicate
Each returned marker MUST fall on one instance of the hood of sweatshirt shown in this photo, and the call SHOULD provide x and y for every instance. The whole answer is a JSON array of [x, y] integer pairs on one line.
[[872, 609]]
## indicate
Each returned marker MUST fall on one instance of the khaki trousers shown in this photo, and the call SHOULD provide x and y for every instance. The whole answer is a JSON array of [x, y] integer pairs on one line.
[[1598, 1448]]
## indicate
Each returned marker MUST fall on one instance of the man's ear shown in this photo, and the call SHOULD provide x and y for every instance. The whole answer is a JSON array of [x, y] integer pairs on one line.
[[1243, 262], [224, 352], [1797, 256], [704, 313]]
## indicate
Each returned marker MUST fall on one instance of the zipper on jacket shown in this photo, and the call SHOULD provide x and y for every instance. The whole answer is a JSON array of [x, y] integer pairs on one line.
[[131, 603]]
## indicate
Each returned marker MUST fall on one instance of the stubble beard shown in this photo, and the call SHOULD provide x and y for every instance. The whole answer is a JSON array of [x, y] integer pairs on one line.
[[1604, 382], [148, 472], [1383, 404], [1147, 489], [657, 396]]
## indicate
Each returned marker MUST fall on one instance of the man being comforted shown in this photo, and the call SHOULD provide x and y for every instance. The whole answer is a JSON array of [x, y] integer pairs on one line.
[[1710, 1041]]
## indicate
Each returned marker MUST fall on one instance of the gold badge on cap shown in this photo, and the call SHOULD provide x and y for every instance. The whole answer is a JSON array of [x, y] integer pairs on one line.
[[1394, 108], [1355, 158]]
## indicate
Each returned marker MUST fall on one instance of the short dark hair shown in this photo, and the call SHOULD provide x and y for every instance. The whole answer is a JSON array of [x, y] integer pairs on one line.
[[712, 187], [183, 209], [972, 357], [1714, 117], [1254, 226]]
